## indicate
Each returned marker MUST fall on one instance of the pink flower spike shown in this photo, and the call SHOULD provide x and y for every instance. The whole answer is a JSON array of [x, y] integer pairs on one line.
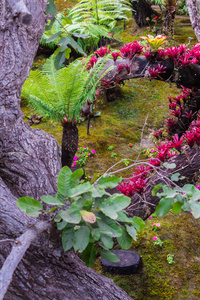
[[155, 238], [150, 217]]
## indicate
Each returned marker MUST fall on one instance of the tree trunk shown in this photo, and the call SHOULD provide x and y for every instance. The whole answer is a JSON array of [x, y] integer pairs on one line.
[[168, 23], [69, 143], [193, 7], [141, 11], [29, 163]]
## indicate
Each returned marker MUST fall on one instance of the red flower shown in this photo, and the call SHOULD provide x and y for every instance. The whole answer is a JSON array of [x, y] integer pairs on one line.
[[156, 70], [141, 171], [155, 162], [189, 137], [158, 133], [130, 145], [102, 51], [91, 62], [120, 67], [131, 49], [177, 142], [115, 55], [171, 123]]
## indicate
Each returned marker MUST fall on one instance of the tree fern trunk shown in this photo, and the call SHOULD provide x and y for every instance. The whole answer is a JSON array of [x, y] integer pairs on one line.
[[69, 143]]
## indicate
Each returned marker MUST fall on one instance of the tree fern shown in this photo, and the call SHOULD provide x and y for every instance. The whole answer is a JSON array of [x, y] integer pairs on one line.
[[62, 93]]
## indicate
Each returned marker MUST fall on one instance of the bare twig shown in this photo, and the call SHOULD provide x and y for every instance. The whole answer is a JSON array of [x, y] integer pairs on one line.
[[17, 253]]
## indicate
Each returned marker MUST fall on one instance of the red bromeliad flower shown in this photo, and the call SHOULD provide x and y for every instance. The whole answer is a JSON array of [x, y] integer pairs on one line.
[[189, 115], [120, 67], [141, 171], [172, 153], [155, 162], [126, 189], [156, 70], [176, 112], [171, 123], [172, 105], [138, 184], [131, 49], [148, 55], [128, 67], [177, 143], [102, 51], [189, 137], [91, 62], [161, 53], [115, 55], [158, 134], [162, 150], [106, 83]]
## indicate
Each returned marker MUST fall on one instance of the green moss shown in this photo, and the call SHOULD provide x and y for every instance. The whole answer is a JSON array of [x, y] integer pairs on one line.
[[158, 279]]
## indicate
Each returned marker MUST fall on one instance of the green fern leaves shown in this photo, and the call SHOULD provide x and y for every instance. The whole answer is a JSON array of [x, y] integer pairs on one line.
[[62, 93]]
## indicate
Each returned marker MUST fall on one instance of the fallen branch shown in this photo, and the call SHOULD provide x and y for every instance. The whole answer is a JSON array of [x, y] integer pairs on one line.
[[17, 253]]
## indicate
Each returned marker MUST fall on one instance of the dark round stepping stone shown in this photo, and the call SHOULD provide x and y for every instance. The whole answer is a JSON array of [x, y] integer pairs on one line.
[[130, 263]]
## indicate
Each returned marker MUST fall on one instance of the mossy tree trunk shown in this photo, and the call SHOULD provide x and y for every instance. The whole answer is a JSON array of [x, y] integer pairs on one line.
[[168, 23], [30, 160]]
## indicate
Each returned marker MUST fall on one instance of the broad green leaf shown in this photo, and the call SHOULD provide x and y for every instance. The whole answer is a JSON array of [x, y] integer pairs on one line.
[[195, 206], [51, 8], [49, 26], [107, 241], [122, 217], [98, 201], [107, 225], [156, 189], [177, 206], [51, 200], [59, 60], [88, 255], [87, 205], [53, 37], [68, 237], [109, 181], [61, 225], [63, 181], [164, 206], [88, 216], [80, 189], [169, 166], [175, 177], [71, 215], [82, 238], [57, 218], [125, 239], [187, 187], [113, 204], [29, 204], [132, 231], [106, 254], [32, 213], [138, 223], [75, 177], [95, 234]]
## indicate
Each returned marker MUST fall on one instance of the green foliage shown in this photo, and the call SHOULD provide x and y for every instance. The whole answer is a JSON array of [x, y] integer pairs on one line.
[[177, 198], [92, 221], [61, 93]]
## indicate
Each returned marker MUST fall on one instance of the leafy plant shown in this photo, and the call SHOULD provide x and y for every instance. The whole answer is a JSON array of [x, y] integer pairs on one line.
[[184, 198], [92, 221], [157, 241], [170, 259], [82, 155], [60, 95]]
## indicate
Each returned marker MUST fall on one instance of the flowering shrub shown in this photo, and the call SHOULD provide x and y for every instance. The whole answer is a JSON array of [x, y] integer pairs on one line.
[[102, 51], [131, 49], [157, 241], [155, 226], [82, 155]]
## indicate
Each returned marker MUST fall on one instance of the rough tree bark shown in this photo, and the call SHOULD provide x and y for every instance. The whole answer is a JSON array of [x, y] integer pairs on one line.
[[141, 11], [194, 11], [29, 163], [168, 23]]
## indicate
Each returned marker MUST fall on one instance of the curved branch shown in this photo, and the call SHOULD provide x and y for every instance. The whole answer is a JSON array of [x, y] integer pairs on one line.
[[17, 253]]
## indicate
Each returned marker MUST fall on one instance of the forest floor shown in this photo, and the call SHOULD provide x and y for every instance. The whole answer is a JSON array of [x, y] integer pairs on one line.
[[119, 125]]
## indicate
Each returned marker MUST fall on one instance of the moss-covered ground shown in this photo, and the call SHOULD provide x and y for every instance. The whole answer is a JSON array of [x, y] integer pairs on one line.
[[159, 280], [119, 125]]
